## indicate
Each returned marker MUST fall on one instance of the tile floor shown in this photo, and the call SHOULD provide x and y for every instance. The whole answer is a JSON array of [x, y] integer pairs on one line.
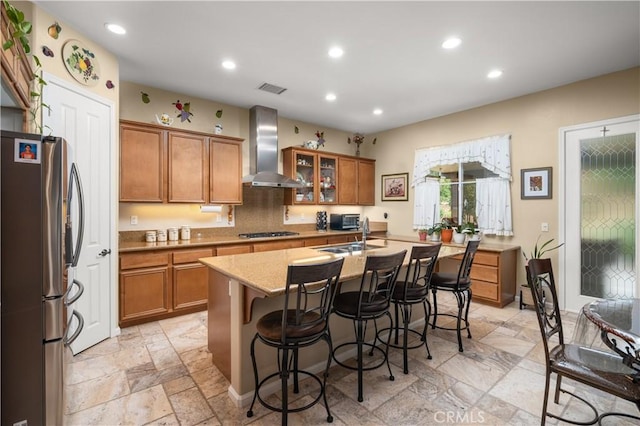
[[161, 373]]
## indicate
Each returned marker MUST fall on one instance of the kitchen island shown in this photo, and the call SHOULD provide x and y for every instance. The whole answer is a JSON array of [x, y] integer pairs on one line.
[[244, 287]]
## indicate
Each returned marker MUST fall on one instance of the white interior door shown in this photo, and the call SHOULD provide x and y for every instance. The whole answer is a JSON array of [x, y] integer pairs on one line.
[[599, 211], [86, 122]]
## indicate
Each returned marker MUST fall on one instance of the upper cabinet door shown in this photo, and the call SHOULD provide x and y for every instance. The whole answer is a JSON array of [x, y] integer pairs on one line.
[[226, 171], [366, 182], [142, 163], [188, 168], [348, 185], [328, 179]]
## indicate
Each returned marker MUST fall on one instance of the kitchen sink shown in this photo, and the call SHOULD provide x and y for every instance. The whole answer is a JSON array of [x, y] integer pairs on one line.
[[349, 248]]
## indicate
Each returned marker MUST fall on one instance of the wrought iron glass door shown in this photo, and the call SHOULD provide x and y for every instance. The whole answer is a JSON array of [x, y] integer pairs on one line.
[[600, 212]]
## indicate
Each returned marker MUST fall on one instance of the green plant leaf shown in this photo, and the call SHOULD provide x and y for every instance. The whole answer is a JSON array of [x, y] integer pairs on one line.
[[7, 44]]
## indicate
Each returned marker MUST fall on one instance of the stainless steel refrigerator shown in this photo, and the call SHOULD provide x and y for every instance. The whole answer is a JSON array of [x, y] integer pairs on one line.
[[41, 234]]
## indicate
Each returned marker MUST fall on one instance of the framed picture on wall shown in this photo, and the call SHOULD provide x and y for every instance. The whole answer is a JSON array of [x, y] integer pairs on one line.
[[394, 187], [536, 183]]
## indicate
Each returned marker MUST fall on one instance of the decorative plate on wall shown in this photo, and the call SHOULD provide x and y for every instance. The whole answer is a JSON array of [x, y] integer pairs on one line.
[[81, 62]]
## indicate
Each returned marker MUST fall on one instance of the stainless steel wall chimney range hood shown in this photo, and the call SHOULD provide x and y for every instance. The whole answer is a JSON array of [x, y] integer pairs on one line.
[[263, 151]]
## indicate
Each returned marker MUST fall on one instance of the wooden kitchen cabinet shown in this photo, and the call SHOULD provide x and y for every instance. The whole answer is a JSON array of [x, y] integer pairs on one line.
[[143, 162], [328, 178], [357, 181], [16, 69], [190, 279], [161, 284], [188, 179], [277, 245], [225, 186], [493, 275], [158, 164], [145, 290]]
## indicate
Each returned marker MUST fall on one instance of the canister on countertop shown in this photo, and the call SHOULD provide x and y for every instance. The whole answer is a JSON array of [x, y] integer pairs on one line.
[[161, 235], [172, 234], [185, 232], [150, 236]]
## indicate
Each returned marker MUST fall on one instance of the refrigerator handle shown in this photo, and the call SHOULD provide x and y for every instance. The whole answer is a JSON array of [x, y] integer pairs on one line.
[[75, 177], [70, 339], [68, 299]]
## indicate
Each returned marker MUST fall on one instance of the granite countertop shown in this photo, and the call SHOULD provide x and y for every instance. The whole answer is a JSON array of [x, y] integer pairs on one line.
[[484, 245], [209, 240], [266, 272]]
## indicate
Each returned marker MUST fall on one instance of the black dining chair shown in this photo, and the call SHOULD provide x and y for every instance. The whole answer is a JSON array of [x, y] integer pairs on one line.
[[302, 322], [601, 370], [370, 301], [460, 285], [413, 290]]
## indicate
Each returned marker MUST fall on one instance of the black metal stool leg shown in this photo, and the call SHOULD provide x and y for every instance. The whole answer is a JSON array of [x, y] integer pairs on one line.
[[405, 338], [466, 315], [435, 308], [460, 298], [360, 340], [427, 313], [255, 376], [284, 376]]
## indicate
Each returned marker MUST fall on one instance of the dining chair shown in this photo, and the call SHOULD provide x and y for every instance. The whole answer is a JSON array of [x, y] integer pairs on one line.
[[303, 321], [413, 290], [370, 301], [598, 369], [460, 285]]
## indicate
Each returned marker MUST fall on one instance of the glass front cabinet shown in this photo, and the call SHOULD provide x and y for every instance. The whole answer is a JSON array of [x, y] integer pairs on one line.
[[316, 172]]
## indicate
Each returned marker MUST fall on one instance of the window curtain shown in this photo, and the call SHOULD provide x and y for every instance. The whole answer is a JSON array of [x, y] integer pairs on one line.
[[493, 195], [426, 208], [492, 152], [493, 206]]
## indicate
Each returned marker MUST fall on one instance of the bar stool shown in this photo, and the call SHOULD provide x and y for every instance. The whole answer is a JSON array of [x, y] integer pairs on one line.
[[414, 289], [307, 303], [460, 285], [370, 302]]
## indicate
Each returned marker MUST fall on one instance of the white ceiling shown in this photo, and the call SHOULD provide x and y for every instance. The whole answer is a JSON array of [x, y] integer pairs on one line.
[[393, 59]]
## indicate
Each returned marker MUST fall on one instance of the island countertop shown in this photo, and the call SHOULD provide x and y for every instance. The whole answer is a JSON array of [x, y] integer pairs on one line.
[[266, 272]]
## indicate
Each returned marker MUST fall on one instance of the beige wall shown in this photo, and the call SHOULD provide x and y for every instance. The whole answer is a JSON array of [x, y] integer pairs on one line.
[[533, 122], [108, 63]]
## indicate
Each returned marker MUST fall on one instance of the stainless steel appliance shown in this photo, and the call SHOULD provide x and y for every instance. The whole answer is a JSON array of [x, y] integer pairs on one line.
[[41, 192], [344, 222]]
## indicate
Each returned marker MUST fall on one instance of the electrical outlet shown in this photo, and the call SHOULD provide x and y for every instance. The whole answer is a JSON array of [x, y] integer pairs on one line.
[[544, 227], [218, 218], [134, 220]]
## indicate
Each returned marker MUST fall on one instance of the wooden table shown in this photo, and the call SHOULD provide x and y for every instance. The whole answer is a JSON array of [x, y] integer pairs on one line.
[[244, 287]]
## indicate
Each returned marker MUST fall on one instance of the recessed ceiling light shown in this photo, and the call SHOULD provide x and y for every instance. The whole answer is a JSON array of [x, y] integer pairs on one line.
[[330, 97], [451, 43], [115, 28], [494, 73], [377, 111], [336, 52], [230, 65]]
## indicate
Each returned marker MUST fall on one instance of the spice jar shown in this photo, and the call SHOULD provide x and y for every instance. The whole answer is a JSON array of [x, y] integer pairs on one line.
[[185, 232], [172, 233]]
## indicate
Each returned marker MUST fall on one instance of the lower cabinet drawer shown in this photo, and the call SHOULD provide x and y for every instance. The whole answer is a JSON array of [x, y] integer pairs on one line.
[[484, 273], [484, 289]]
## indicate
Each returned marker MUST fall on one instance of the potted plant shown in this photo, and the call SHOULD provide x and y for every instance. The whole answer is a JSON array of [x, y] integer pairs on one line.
[[470, 229], [422, 234], [458, 234], [434, 231], [447, 230], [536, 253]]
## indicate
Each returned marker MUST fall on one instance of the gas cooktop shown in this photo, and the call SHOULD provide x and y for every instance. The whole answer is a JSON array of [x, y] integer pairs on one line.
[[267, 234]]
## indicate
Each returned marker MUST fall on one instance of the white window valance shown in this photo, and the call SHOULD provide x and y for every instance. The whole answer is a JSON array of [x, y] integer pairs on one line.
[[493, 152]]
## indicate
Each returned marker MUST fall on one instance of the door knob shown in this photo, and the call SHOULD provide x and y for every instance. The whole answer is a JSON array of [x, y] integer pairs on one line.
[[104, 252]]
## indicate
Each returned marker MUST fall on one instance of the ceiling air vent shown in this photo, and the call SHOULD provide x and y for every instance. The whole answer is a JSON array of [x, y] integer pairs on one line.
[[272, 88]]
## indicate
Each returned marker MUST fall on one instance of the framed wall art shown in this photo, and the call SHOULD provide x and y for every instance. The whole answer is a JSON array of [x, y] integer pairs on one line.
[[536, 183], [394, 187]]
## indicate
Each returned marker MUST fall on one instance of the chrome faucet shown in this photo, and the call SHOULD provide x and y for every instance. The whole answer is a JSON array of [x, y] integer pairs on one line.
[[365, 231]]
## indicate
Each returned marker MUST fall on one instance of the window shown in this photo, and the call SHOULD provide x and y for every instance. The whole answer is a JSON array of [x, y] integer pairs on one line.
[[465, 182]]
